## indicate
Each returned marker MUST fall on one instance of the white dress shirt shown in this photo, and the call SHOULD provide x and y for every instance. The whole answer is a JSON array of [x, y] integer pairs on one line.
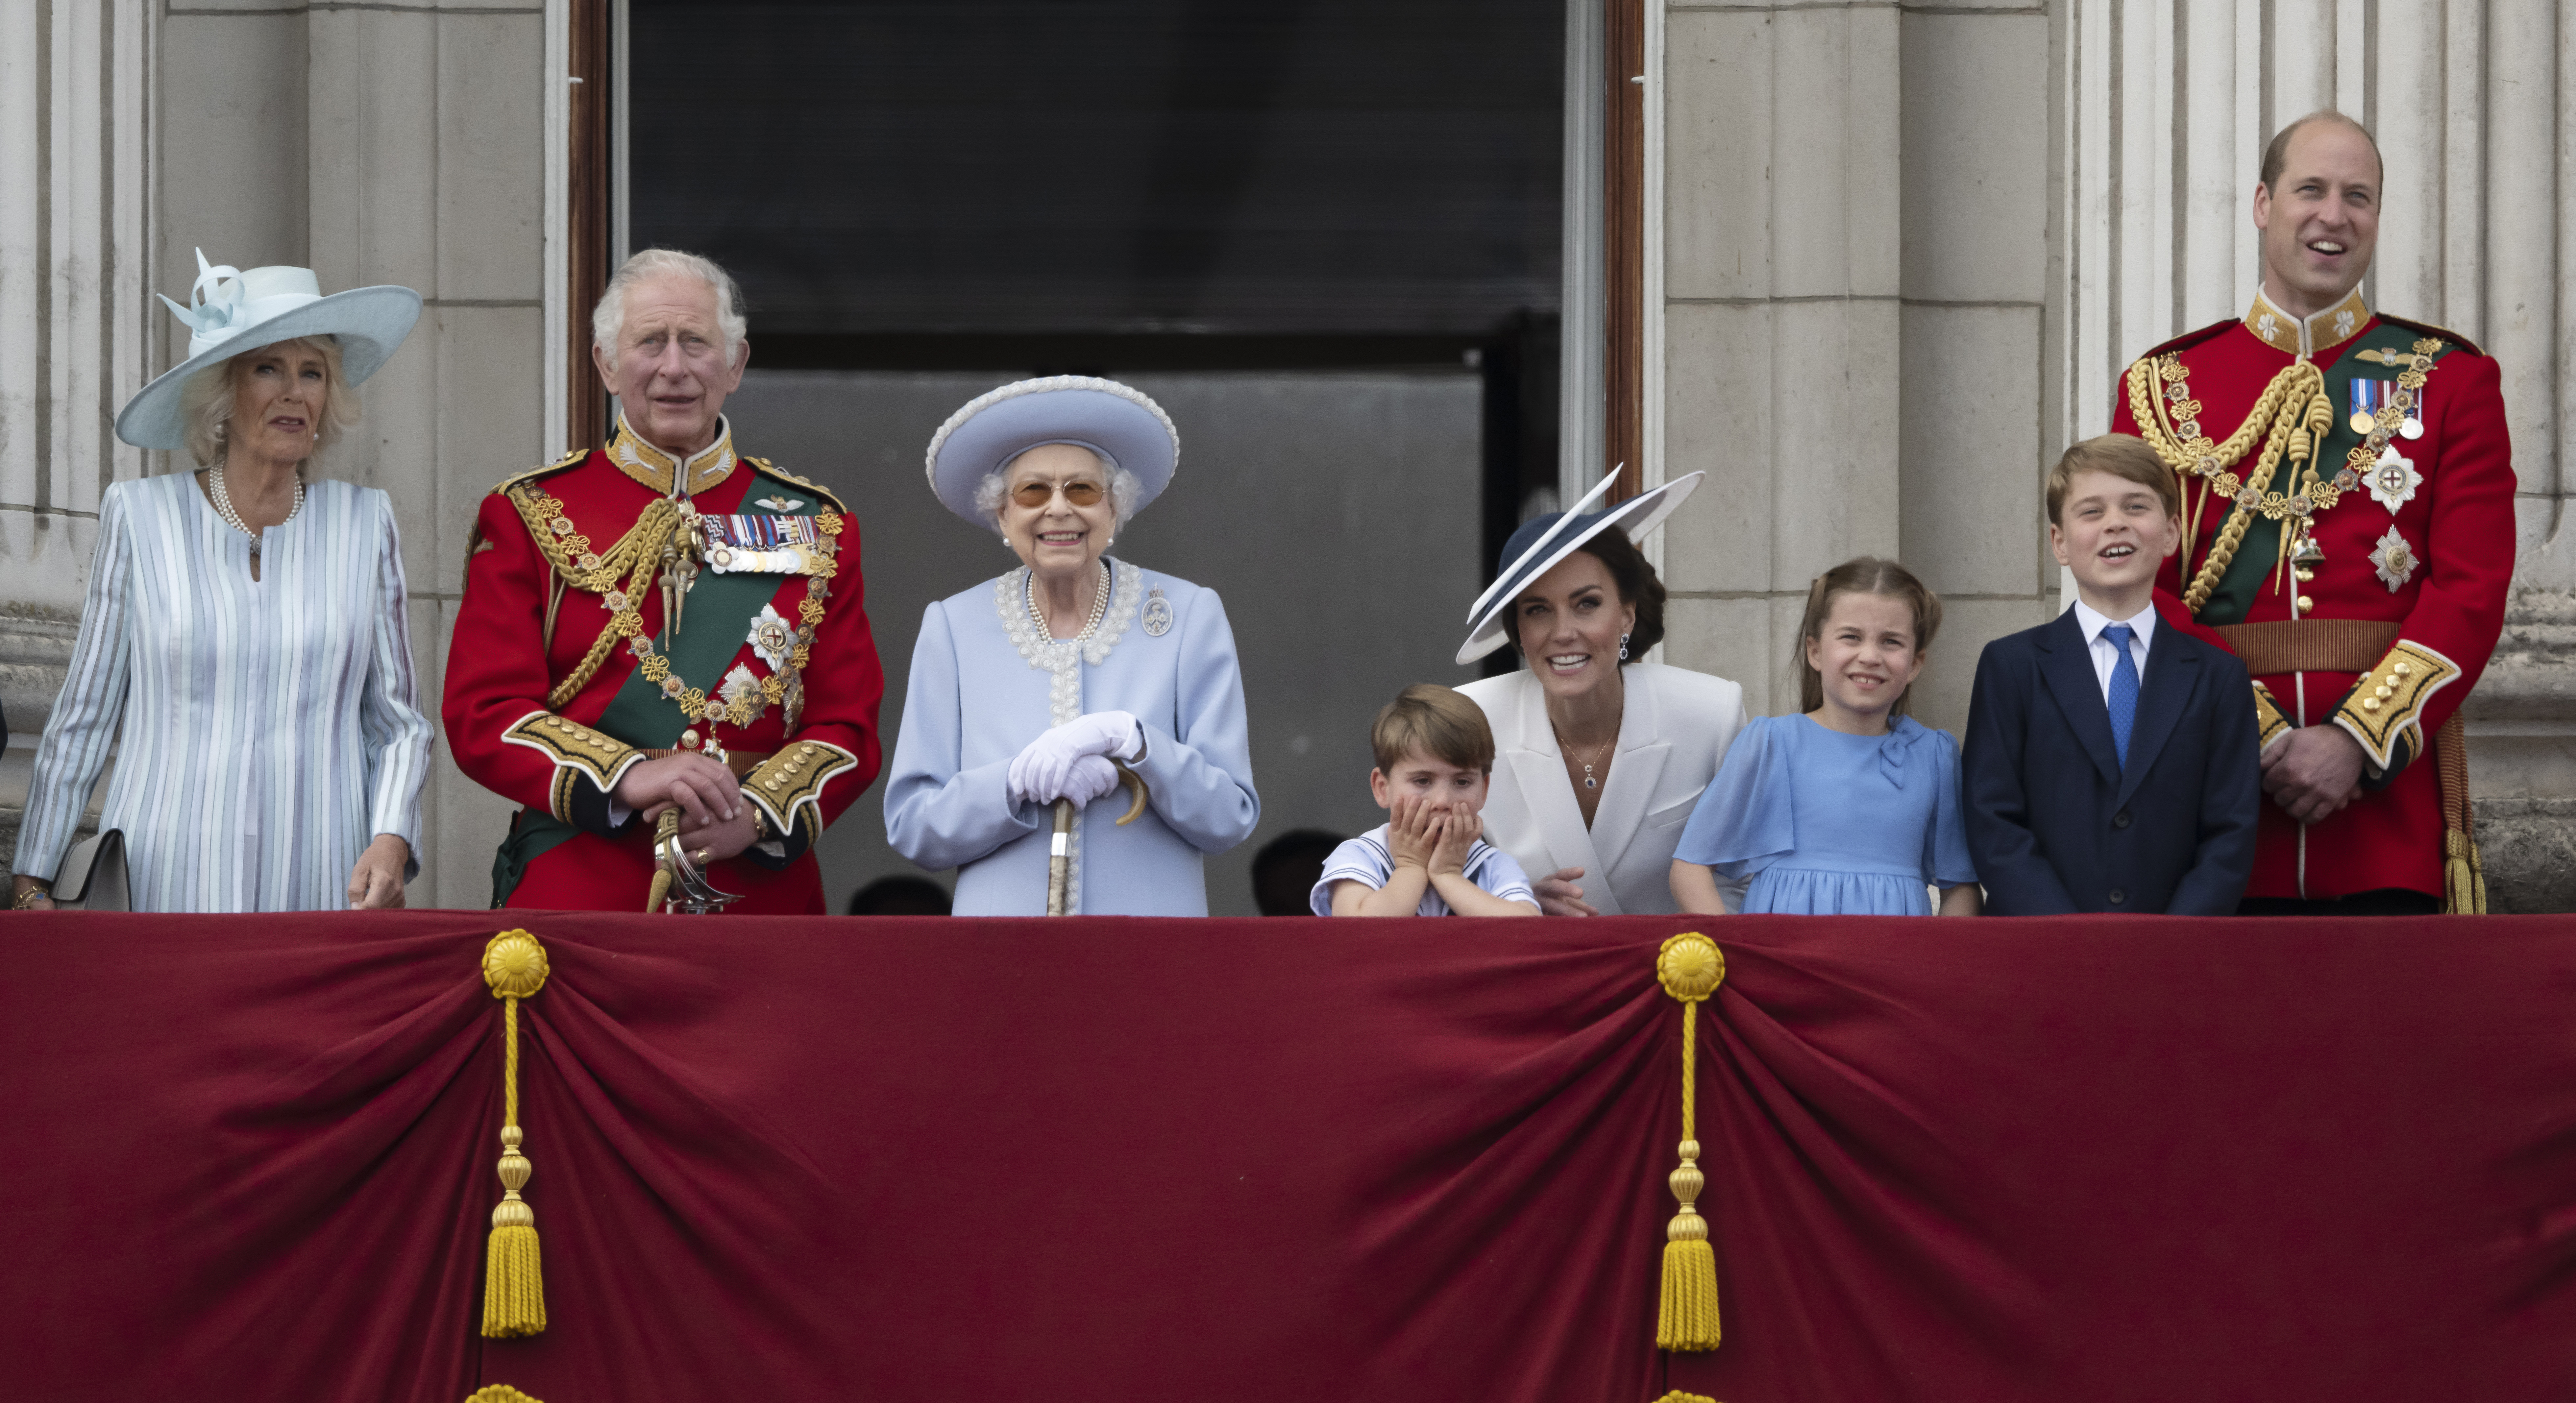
[[2142, 629]]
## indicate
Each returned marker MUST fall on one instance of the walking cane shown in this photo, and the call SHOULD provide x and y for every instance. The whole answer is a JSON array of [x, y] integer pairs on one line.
[[1060, 850]]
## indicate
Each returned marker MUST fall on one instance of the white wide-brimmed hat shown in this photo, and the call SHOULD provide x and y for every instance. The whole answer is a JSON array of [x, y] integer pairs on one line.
[[1542, 542], [231, 311], [1116, 421]]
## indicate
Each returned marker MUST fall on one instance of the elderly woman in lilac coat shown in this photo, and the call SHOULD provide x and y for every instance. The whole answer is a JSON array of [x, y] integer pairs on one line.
[[1041, 684]]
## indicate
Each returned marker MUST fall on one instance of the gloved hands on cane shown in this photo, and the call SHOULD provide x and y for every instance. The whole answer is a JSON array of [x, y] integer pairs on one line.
[[1072, 761]]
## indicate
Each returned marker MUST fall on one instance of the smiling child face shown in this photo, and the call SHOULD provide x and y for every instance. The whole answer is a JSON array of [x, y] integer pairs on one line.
[[2114, 534], [1865, 652]]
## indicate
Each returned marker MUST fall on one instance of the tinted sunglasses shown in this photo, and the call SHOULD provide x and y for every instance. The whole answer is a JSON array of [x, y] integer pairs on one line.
[[1037, 494]]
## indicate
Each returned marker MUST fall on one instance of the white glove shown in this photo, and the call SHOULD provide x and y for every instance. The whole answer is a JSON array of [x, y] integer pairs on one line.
[[1043, 772], [1089, 777]]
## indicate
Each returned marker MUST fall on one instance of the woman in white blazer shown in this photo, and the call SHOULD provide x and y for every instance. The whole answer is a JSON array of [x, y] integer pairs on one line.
[[1598, 758]]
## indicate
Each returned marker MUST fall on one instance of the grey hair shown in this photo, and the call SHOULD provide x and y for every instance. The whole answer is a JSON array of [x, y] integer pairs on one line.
[[1124, 489], [206, 400], [609, 317]]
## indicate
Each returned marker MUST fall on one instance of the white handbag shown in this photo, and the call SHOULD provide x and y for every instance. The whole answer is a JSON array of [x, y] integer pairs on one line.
[[92, 877]]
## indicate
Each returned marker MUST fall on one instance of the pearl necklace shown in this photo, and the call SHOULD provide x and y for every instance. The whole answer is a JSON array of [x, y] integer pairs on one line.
[[224, 506], [1099, 607]]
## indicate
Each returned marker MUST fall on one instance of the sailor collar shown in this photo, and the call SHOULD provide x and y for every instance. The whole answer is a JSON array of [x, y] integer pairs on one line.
[[2312, 337], [654, 467]]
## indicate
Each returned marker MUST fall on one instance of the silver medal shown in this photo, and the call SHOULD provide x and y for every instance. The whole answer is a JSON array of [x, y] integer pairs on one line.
[[2393, 479], [2411, 427], [1158, 615]]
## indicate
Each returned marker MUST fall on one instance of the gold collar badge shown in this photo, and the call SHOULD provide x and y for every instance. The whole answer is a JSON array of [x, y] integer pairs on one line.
[[2312, 336], [661, 471]]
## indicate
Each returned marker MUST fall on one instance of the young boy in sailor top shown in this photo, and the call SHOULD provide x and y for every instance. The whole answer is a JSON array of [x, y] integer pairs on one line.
[[1434, 756]]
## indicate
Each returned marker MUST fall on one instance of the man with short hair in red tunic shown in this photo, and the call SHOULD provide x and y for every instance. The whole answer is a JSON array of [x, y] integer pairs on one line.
[[2348, 531], [659, 626]]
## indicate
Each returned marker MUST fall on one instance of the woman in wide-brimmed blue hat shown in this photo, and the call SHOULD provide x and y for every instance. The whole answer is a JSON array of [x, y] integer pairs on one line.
[[245, 626], [1058, 680]]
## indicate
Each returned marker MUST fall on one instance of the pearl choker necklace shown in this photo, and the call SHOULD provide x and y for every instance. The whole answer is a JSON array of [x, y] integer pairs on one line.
[[224, 507], [1099, 606]]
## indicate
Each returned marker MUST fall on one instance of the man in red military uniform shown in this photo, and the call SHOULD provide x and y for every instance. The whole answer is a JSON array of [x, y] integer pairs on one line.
[[2348, 531], [661, 625]]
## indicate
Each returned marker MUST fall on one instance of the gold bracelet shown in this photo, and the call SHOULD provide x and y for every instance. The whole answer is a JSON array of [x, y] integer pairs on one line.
[[28, 898]]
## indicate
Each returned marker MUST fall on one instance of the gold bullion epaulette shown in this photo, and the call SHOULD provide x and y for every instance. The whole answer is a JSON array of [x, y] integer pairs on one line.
[[770, 469]]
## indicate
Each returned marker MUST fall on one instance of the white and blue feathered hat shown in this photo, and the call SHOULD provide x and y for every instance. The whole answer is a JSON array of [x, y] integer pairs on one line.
[[1542, 542], [231, 311], [1118, 422]]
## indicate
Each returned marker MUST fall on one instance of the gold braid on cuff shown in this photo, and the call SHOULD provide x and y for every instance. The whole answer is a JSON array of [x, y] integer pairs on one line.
[[794, 778], [575, 750], [2385, 709], [2269, 724]]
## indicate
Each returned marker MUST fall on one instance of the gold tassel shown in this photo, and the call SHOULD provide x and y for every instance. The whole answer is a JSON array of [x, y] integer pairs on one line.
[[1676, 1396], [2464, 881], [514, 1288], [1690, 967], [503, 1393]]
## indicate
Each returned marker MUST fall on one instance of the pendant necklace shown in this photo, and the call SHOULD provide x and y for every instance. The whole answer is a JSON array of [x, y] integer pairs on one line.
[[224, 506], [1099, 607], [1601, 753]]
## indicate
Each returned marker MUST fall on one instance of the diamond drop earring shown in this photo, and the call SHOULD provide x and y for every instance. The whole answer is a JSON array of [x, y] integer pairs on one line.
[[1623, 647]]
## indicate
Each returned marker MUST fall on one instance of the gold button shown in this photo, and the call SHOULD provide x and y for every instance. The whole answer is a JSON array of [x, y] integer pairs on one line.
[[807, 749], [2402, 669], [773, 783], [2383, 692], [2306, 575], [2306, 604], [2370, 703]]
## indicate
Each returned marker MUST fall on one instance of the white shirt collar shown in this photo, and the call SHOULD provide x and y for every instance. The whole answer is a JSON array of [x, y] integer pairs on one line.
[[2093, 621]]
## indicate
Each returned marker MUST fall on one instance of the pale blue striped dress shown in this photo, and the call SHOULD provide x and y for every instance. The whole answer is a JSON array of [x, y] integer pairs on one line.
[[270, 729]]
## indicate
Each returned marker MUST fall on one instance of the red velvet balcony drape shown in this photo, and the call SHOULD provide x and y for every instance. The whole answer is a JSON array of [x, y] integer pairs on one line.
[[1423, 1160]]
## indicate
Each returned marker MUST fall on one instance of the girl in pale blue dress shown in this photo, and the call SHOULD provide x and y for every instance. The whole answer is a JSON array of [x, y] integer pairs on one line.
[[1851, 808]]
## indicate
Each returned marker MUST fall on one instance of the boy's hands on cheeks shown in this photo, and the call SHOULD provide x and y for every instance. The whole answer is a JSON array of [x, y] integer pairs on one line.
[[1413, 830], [1460, 827]]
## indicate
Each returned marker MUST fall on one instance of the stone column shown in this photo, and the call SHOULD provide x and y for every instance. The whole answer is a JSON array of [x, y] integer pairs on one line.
[[76, 208], [1856, 265]]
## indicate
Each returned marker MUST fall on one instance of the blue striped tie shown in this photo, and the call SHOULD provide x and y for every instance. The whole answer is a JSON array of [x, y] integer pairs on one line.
[[2124, 691]]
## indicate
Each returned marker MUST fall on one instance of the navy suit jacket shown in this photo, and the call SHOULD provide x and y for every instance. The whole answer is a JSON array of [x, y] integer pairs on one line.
[[2058, 826]]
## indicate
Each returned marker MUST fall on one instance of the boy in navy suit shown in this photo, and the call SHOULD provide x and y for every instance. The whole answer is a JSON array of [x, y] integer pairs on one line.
[[2111, 762]]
